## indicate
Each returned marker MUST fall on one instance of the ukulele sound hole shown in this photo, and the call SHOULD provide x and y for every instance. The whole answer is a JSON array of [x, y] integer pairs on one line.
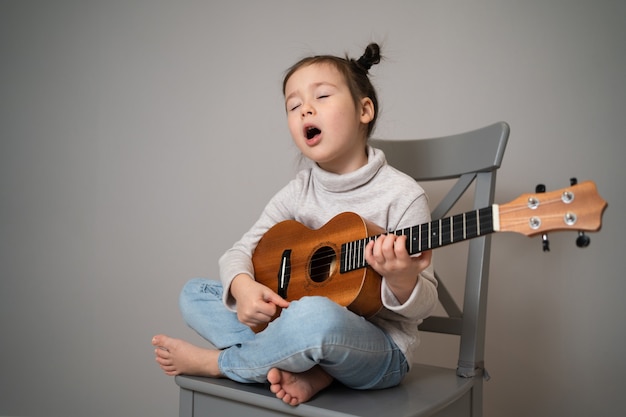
[[322, 264]]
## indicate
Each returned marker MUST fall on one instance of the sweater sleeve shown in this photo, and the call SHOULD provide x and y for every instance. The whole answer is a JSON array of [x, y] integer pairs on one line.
[[423, 299]]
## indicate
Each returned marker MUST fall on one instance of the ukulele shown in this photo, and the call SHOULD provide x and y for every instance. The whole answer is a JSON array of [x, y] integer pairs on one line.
[[296, 261]]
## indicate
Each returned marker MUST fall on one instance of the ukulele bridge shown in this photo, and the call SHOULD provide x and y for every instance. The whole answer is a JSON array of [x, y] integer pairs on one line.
[[284, 273]]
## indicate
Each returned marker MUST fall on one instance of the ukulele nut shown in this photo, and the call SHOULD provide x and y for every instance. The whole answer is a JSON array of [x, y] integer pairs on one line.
[[534, 223], [567, 197], [570, 219]]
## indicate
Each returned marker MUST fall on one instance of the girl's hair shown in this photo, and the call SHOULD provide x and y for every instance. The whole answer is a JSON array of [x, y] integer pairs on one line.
[[354, 71]]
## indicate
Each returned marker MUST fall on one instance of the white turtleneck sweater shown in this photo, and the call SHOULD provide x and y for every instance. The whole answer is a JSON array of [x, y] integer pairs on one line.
[[377, 192]]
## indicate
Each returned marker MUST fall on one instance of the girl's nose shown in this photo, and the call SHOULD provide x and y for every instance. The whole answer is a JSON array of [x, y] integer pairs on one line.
[[306, 109]]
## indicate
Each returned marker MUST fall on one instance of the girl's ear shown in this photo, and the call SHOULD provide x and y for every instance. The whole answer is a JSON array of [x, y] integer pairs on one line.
[[367, 110]]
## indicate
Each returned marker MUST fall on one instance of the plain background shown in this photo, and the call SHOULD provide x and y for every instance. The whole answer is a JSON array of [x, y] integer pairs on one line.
[[139, 139]]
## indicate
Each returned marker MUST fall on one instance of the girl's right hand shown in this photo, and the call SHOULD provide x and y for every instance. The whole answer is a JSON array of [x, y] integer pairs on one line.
[[256, 303]]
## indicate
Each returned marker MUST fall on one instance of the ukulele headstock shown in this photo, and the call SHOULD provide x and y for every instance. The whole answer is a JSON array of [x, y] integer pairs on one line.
[[578, 208]]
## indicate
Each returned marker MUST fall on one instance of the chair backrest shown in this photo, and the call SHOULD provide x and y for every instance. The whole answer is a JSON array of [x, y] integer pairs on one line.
[[471, 157]]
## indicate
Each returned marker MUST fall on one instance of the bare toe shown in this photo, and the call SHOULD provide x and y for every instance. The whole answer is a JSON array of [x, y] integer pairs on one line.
[[296, 388]]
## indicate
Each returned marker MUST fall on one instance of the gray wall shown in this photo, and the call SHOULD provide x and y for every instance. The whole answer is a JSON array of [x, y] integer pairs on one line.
[[139, 139]]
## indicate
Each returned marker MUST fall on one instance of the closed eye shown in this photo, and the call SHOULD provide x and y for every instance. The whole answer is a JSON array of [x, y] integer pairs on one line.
[[292, 105]]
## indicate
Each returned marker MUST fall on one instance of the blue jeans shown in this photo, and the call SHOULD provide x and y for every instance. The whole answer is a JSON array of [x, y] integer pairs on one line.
[[311, 331]]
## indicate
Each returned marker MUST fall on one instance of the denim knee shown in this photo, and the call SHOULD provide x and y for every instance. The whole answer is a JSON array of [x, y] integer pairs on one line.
[[318, 315], [314, 306], [196, 286], [198, 289]]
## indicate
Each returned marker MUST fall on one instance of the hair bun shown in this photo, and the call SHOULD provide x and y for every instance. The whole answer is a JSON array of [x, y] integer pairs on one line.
[[370, 57]]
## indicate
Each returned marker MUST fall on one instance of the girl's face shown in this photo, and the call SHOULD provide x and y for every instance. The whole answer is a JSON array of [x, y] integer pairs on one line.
[[324, 121]]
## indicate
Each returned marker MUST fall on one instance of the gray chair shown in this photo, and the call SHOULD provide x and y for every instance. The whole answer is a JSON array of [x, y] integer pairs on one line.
[[470, 158]]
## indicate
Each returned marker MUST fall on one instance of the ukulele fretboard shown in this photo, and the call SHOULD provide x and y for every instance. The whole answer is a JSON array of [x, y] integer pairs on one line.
[[425, 236]]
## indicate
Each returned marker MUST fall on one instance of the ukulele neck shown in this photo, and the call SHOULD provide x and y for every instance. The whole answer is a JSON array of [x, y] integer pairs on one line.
[[426, 236]]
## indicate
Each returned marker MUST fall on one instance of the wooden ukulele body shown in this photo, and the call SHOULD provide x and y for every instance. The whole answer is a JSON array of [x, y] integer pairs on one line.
[[311, 259]]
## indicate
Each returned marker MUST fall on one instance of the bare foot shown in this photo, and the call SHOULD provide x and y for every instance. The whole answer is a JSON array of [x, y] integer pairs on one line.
[[297, 388], [178, 357]]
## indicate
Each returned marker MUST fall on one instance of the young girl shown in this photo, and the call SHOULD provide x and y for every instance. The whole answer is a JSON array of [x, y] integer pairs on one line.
[[331, 111]]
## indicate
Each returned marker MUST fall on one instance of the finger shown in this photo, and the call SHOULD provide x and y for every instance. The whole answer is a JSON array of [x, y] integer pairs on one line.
[[272, 297], [265, 311], [424, 259], [368, 253], [388, 247], [257, 320], [399, 247], [377, 249]]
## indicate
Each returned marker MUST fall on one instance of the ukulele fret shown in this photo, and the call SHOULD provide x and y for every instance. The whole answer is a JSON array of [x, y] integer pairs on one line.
[[446, 231], [413, 241]]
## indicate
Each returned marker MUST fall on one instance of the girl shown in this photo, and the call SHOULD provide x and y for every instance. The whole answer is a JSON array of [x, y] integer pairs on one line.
[[331, 110]]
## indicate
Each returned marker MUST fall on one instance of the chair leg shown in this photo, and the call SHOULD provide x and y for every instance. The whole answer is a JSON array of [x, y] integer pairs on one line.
[[477, 397], [185, 404]]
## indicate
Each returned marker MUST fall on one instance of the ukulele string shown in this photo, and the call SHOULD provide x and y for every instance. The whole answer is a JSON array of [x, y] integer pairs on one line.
[[356, 257], [358, 246], [521, 207]]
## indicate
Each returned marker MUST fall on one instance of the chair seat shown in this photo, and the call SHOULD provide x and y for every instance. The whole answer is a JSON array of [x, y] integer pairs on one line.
[[425, 391]]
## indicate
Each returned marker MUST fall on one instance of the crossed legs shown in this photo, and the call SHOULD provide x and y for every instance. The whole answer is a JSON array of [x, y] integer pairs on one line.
[[313, 342]]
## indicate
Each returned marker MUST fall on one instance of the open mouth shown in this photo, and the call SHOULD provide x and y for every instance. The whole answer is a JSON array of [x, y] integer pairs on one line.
[[311, 132]]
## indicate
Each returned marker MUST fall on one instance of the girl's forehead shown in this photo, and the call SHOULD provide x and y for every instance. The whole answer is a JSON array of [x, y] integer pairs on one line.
[[315, 74]]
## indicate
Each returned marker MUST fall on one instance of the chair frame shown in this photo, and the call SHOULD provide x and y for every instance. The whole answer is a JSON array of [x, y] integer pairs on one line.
[[470, 158]]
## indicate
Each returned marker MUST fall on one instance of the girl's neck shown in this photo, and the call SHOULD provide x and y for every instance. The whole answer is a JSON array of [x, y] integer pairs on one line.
[[355, 162]]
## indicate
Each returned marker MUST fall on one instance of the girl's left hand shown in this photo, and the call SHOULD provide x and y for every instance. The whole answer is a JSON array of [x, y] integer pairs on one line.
[[389, 257]]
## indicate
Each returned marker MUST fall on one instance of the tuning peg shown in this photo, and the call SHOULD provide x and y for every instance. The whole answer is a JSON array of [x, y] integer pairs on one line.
[[541, 188], [582, 241]]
